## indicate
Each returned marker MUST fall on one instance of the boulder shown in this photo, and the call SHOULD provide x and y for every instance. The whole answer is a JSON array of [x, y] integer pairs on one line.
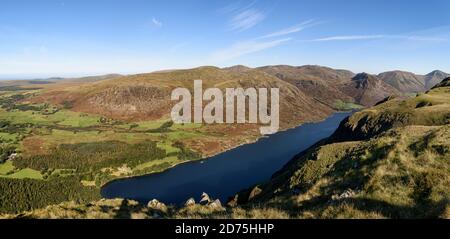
[[190, 202], [156, 205], [255, 192], [205, 199], [233, 201], [349, 193]]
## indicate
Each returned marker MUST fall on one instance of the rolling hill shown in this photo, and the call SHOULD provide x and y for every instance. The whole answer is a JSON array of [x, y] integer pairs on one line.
[[147, 96], [317, 82], [388, 161]]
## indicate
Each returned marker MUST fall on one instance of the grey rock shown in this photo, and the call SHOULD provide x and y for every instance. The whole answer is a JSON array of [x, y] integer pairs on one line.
[[190, 202]]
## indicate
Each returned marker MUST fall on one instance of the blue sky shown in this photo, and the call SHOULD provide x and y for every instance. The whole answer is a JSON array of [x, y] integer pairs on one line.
[[83, 37]]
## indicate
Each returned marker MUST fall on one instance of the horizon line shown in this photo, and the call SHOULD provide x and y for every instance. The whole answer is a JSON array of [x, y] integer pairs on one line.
[[49, 76]]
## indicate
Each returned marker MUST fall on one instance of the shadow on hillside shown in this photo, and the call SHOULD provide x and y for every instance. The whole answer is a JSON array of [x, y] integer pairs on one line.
[[430, 210]]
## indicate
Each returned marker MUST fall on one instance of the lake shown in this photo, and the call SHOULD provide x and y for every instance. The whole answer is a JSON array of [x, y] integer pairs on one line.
[[225, 174]]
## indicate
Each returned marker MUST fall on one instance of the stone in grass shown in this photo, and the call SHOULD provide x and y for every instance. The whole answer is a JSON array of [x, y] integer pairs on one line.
[[205, 199], [190, 202], [156, 205]]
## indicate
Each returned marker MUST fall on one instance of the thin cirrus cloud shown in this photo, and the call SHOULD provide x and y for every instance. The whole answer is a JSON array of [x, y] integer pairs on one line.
[[376, 37], [245, 47], [246, 19], [294, 29], [237, 7], [260, 43]]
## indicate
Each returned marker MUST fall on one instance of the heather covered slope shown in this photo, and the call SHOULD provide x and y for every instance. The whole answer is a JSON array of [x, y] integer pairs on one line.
[[333, 87], [320, 83], [147, 96]]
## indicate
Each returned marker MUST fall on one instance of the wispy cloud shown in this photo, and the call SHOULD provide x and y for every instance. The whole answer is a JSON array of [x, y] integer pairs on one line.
[[237, 6], [375, 37], [156, 22], [245, 47], [422, 38], [246, 19], [297, 28]]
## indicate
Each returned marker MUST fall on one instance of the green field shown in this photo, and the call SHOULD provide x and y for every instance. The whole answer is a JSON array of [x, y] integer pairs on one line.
[[80, 152], [7, 170], [346, 106]]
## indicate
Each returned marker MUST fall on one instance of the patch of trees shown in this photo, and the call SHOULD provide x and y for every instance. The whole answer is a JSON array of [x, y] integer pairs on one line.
[[185, 153], [163, 128], [5, 151], [10, 101], [104, 120], [8, 127], [26, 107], [18, 195], [88, 157]]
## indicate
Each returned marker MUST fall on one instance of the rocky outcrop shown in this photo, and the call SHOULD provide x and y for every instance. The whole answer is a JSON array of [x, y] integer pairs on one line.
[[157, 206], [190, 202], [367, 89]]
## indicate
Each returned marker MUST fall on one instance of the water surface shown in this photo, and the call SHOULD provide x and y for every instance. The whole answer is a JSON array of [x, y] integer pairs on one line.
[[223, 175]]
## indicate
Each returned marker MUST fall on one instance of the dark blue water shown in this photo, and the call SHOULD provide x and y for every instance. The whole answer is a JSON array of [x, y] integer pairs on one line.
[[224, 175]]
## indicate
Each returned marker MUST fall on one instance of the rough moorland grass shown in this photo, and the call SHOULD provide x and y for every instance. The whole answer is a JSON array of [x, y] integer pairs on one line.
[[390, 176], [5, 136]]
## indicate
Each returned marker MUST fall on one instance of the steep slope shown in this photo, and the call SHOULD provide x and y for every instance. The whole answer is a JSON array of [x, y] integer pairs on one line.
[[147, 96], [315, 81], [444, 83], [434, 78], [367, 89], [389, 161], [405, 82], [400, 171]]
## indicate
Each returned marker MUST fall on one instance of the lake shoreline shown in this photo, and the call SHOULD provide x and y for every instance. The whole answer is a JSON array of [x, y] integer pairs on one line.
[[146, 187], [220, 152]]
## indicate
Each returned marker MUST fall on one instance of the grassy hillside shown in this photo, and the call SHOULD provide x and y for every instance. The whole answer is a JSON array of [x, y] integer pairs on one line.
[[383, 156], [399, 170], [85, 132], [389, 161], [147, 96]]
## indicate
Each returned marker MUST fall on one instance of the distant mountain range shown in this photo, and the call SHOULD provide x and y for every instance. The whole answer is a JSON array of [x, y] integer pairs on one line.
[[411, 83], [308, 93]]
